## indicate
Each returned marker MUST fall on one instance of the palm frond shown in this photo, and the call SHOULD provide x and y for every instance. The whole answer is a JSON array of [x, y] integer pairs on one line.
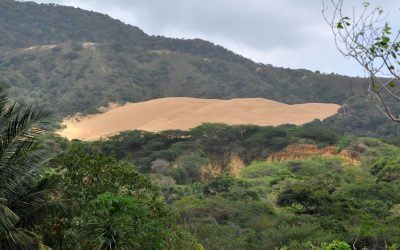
[[18, 238], [8, 219], [21, 152], [22, 172], [4, 103], [22, 158], [35, 206]]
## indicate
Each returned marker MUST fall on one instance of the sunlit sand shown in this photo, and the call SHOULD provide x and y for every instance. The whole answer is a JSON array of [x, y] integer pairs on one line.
[[186, 113]]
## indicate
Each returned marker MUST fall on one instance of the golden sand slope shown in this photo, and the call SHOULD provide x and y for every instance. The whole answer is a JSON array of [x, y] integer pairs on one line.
[[185, 113]]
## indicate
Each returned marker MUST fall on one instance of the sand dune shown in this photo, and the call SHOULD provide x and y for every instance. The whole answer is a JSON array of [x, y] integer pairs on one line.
[[185, 113]]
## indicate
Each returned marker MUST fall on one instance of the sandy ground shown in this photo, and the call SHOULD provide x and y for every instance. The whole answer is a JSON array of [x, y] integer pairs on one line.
[[185, 113]]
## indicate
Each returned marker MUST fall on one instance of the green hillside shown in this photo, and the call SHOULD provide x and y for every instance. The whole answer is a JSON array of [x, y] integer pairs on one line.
[[69, 60], [27, 24], [80, 77]]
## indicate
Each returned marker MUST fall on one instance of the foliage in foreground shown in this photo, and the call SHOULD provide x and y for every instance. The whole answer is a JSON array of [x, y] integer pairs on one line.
[[298, 204], [24, 198], [112, 207], [314, 203]]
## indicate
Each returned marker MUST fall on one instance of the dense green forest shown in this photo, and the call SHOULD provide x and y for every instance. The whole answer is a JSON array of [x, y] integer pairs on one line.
[[178, 190], [298, 202]]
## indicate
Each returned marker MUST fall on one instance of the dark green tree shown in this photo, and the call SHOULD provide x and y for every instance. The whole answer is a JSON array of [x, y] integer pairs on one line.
[[113, 207]]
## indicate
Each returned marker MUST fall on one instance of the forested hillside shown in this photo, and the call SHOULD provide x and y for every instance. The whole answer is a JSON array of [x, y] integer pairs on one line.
[[62, 76], [69, 60]]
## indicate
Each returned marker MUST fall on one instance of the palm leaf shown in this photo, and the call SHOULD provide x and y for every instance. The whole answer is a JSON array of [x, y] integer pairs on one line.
[[8, 219], [22, 157], [18, 238]]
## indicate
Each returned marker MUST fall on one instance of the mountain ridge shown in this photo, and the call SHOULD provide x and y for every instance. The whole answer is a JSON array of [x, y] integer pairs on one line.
[[29, 23]]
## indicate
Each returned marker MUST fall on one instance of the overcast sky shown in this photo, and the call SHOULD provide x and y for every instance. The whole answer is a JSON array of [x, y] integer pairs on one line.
[[286, 33]]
